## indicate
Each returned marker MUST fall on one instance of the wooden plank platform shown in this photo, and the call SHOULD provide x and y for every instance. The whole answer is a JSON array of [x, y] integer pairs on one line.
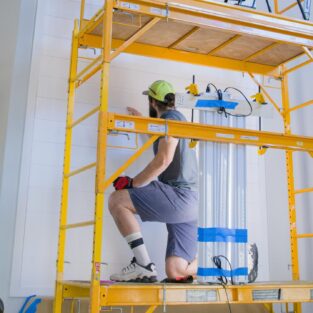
[[206, 28], [204, 40]]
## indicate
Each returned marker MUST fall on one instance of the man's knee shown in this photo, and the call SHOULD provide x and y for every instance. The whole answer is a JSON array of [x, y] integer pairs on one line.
[[174, 271], [175, 267], [171, 273], [114, 202], [119, 200]]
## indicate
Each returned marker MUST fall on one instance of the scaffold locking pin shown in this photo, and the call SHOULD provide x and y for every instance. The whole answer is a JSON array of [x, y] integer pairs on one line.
[[167, 12], [164, 298], [166, 130]]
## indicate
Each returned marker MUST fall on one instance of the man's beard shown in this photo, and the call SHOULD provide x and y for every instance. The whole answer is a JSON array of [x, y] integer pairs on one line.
[[152, 111]]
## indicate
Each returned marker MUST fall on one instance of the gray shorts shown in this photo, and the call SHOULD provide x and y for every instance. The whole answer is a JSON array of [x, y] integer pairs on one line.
[[178, 208]]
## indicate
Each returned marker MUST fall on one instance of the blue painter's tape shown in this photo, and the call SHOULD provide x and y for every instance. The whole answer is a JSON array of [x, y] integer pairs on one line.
[[217, 234], [210, 271], [216, 104]]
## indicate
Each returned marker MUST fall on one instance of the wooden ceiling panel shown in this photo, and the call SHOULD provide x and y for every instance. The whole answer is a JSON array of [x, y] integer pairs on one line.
[[164, 33], [124, 25], [278, 55], [242, 48], [203, 41], [187, 37]]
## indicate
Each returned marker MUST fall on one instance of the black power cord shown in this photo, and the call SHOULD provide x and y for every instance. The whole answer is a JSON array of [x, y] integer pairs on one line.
[[223, 110], [208, 89], [304, 15], [217, 260], [228, 302]]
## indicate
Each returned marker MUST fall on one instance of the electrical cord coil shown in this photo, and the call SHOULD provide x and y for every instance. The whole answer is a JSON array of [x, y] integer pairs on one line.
[[222, 110]]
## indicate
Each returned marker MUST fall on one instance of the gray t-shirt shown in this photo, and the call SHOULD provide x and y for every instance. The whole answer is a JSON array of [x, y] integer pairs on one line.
[[183, 170]]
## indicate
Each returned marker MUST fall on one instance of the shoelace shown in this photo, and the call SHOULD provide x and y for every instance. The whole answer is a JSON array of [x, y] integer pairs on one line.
[[129, 267]]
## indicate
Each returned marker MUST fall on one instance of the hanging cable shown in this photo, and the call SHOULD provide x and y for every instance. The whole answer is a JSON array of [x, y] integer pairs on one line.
[[223, 110], [223, 279], [304, 15], [268, 6], [208, 89], [217, 260], [228, 302]]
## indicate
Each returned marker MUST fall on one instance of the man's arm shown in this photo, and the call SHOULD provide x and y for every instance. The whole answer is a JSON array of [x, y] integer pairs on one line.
[[159, 164]]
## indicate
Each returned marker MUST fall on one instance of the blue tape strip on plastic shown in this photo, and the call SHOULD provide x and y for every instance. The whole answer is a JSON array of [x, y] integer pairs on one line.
[[208, 271], [216, 104], [215, 234]]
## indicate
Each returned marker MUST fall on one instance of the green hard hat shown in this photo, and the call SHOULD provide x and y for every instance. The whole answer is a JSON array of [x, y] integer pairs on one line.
[[159, 89]]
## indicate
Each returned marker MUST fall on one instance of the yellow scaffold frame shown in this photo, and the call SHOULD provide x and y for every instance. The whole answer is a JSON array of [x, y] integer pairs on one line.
[[239, 21]]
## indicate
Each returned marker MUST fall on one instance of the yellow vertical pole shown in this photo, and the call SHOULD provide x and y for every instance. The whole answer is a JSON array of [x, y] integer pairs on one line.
[[82, 13], [291, 188], [66, 170], [276, 9], [101, 158], [151, 309], [269, 307]]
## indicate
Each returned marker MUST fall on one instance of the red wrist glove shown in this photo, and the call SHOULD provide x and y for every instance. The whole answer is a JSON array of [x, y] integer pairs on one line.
[[123, 182]]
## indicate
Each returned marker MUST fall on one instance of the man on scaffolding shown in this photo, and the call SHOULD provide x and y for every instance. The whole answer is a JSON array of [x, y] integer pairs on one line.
[[172, 199]]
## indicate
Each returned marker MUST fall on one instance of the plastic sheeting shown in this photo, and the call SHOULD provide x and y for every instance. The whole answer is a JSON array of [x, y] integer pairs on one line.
[[222, 212]]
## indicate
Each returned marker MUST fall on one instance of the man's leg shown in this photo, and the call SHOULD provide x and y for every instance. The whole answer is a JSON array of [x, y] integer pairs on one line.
[[181, 250], [122, 210], [178, 267]]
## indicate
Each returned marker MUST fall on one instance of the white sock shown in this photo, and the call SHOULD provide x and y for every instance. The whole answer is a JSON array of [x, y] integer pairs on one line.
[[135, 241]]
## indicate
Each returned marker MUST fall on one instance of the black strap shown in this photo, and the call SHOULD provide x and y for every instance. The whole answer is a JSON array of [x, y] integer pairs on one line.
[[135, 243]]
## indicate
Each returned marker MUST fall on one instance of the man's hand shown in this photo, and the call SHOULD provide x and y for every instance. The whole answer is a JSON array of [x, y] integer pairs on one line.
[[133, 111], [123, 182]]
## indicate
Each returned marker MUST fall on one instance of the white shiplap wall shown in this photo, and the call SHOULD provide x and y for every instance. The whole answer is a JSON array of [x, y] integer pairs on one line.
[[40, 187]]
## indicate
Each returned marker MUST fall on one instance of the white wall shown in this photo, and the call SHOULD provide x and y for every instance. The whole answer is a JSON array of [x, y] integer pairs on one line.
[[17, 24]]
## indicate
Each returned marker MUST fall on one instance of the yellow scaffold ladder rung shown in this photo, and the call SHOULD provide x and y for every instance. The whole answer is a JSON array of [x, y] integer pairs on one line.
[[85, 116], [303, 190], [82, 80], [82, 169], [304, 235], [88, 67], [76, 225]]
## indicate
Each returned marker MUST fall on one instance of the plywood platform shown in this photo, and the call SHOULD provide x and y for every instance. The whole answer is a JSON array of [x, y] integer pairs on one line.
[[186, 37], [219, 31]]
